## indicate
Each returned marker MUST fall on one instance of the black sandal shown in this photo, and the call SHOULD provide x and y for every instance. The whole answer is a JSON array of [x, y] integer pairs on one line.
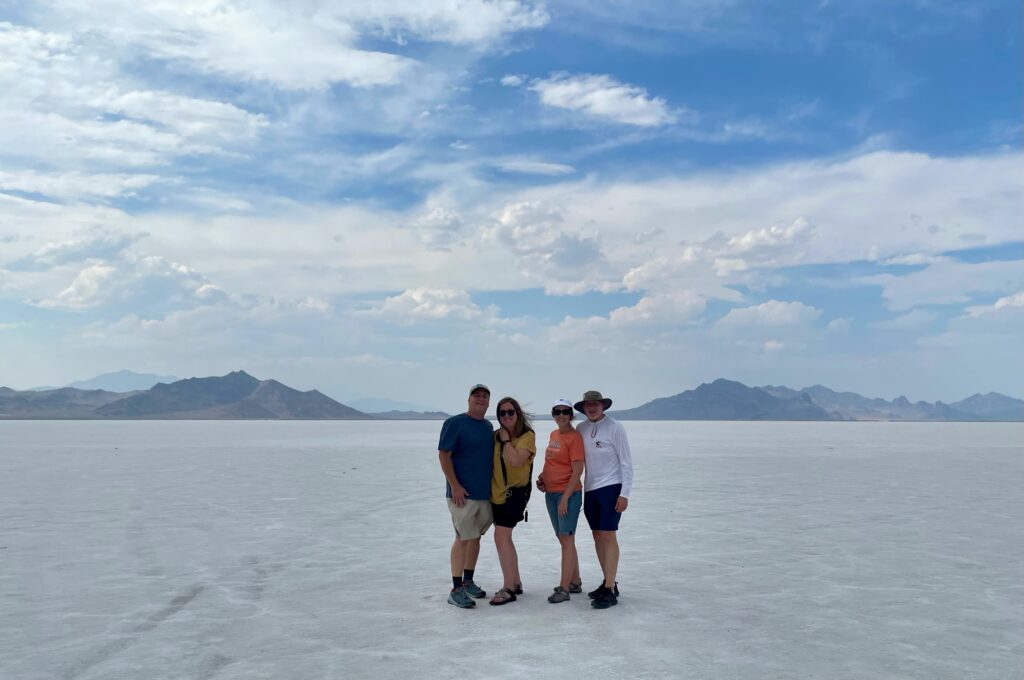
[[503, 596]]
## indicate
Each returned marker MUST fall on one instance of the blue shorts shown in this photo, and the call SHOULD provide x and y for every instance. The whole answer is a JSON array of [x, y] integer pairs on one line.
[[599, 507], [564, 526]]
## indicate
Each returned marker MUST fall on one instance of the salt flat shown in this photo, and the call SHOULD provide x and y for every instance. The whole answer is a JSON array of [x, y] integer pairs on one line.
[[320, 550]]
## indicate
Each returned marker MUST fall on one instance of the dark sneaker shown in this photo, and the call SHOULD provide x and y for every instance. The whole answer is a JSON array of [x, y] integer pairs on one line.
[[576, 588], [605, 600], [560, 595], [600, 589], [473, 590], [518, 590], [459, 598]]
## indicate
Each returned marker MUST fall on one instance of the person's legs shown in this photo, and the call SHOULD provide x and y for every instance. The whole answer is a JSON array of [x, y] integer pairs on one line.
[[458, 558], [506, 555], [599, 549], [570, 561], [608, 555], [516, 578], [472, 553]]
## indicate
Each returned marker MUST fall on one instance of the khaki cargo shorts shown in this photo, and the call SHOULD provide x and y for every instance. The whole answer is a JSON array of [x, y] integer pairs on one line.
[[472, 520]]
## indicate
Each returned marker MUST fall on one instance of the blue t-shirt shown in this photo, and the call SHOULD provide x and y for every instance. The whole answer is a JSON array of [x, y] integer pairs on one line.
[[471, 442]]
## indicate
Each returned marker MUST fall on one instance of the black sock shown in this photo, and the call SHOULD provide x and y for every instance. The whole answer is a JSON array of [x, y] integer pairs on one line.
[[467, 575], [456, 582]]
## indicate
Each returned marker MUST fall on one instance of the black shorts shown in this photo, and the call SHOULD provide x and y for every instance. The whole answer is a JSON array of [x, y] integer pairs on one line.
[[511, 512], [599, 507]]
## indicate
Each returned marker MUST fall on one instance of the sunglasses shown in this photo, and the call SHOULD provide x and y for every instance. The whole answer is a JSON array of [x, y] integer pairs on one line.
[[561, 411], [505, 413]]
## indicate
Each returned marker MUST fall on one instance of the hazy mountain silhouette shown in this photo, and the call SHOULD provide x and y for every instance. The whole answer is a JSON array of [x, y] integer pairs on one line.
[[727, 400], [235, 395]]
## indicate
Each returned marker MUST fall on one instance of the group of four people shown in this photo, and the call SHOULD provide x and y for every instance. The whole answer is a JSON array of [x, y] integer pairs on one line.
[[489, 476]]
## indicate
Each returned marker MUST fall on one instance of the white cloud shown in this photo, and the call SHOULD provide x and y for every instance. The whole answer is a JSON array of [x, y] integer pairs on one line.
[[775, 236], [92, 286], [1004, 303], [94, 244], [565, 259], [305, 46], [947, 282], [535, 167], [149, 282], [840, 326], [911, 321], [74, 184], [913, 259], [427, 304], [66, 99], [667, 308], [604, 98], [512, 80], [771, 314]]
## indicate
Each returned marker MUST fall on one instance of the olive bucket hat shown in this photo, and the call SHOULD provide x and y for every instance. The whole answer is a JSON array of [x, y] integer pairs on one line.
[[593, 395]]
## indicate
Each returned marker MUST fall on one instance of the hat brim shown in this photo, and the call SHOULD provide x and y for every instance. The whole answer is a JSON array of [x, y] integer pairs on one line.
[[607, 404]]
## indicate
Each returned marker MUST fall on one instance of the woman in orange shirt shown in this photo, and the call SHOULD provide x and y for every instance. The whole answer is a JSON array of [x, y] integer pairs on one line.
[[560, 482]]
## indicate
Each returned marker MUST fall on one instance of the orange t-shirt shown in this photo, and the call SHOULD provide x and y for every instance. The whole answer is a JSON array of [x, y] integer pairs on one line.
[[562, 450]]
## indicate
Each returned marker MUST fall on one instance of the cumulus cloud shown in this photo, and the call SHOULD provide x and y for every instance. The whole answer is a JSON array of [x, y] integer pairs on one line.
[[92, 285], [149, 284], [665, 308], [1007, 303], [427, 304], [772, 237], [438, 228], [603, 98], [98, 244], [564, 258], [771, 314], [512, 80]]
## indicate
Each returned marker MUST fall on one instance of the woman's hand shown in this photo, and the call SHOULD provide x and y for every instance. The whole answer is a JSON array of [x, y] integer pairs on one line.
[[540, 484], [563, 506]]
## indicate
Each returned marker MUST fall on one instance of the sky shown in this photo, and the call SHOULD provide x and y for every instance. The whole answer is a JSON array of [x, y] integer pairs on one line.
[[402, 199]]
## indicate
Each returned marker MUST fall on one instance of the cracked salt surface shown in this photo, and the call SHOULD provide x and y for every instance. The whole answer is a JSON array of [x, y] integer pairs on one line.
[[320, 550]]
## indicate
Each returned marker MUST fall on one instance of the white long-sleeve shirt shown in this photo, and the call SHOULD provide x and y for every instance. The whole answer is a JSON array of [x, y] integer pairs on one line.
[[608, 458]]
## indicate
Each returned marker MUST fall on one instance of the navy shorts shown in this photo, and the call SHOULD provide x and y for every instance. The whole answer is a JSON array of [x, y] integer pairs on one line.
[[599, 508]]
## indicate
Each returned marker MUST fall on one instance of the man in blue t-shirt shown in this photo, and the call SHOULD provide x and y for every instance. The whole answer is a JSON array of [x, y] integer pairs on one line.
[[466, 452]]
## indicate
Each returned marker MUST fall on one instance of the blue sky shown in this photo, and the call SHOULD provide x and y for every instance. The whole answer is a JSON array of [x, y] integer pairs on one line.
[[402, 199]]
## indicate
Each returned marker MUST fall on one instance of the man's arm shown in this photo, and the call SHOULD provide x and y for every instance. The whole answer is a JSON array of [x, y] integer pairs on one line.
[[458, 492], [626, 467]]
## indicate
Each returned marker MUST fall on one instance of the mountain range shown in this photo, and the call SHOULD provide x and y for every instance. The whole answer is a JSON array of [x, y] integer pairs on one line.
[[730, 400], [236, 395], [239, 395]]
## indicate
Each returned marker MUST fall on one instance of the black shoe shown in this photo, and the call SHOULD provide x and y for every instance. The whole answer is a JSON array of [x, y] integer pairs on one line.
[[605, 600], [594, 594]]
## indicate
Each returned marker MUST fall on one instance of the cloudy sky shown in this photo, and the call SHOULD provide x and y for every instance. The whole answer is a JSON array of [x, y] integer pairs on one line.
[[399, 199]]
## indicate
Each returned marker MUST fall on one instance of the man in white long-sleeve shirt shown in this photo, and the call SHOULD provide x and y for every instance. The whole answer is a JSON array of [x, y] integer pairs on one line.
[[606, 488]]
